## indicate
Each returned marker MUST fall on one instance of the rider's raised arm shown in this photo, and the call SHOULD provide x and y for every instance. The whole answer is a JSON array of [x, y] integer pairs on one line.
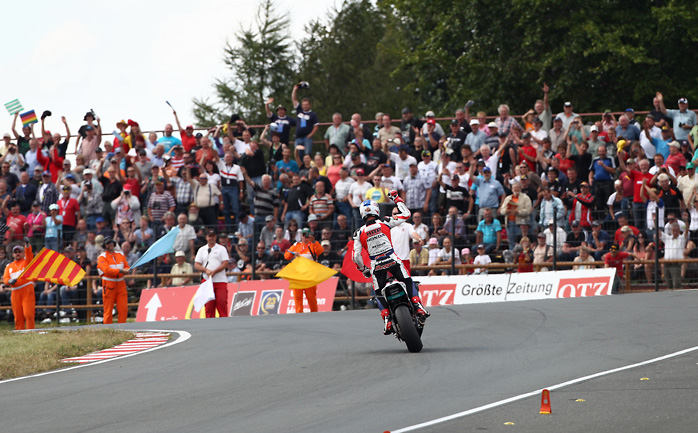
[[356, 254], [404, 214]]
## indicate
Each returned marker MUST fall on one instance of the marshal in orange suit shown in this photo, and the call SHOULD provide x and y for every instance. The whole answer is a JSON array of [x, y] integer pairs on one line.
[[112, 267], [23, 298], [310, 249]]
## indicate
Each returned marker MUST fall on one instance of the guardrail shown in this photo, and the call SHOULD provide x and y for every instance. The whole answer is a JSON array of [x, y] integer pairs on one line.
[[628, 286]]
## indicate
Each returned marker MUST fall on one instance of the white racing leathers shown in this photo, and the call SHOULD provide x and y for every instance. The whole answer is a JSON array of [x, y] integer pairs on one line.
[[374, 237]]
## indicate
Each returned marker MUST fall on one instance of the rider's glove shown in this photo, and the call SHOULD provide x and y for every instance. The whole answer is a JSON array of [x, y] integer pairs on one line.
[[394, 196]]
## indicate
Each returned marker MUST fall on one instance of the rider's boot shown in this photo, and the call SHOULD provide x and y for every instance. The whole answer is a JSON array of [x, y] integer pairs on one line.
[[387, 323], [422, 313]]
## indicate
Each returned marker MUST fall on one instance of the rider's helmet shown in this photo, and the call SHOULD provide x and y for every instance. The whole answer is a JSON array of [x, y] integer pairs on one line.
[[369, 208]]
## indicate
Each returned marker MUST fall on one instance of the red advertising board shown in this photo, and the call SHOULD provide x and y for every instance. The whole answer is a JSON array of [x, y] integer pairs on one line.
[[246, 298]]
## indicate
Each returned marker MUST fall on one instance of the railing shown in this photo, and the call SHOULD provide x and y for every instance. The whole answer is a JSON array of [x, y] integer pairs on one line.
[[630, 284]]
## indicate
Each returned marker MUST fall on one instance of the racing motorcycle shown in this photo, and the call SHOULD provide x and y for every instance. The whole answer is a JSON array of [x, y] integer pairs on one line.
[[407, 326]]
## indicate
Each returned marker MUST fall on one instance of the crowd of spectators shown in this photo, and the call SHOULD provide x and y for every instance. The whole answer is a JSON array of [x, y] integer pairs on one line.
[[519, 191]]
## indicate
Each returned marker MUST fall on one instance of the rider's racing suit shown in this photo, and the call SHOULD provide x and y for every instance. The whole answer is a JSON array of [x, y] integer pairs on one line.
[[374, 236]]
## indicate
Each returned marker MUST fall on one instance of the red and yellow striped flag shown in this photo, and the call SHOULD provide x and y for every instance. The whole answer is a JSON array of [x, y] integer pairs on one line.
[[53, 267]]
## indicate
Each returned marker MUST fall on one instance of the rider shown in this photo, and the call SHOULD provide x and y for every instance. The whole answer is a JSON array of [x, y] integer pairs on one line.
[[374, 236]]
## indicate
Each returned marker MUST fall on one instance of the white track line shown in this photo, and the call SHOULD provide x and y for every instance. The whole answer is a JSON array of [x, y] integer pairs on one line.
[[537, 392], [183, 336]]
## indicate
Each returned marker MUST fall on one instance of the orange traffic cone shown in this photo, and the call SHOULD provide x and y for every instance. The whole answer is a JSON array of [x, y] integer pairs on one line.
[[545, 403]]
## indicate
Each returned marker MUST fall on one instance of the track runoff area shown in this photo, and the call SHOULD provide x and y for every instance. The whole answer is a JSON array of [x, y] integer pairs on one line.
[[620, 362]]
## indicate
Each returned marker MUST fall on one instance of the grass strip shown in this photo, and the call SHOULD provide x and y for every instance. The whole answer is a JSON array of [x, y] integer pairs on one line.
[[24, 353]]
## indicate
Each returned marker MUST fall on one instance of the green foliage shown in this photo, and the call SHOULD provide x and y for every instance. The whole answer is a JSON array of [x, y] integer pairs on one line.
[[366, 57], [261, 62]]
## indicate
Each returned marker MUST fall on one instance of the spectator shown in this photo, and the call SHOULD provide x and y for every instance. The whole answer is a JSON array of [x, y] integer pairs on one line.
[[168, 140], [127, 206], [489, 232], [403, 161], [583, 259], [490, 192], [448, 254], [329, 258], [337, 133], [614, 259], [524, 256], [555, 236], [188, 139], [101, 228], [131, 256], [582, 204], [275, 261], [419, 227], [159, 202], [481, 259], [254, 166], [283, 123], [112, 189], [332, 171], [142, 164], [306, 125], [457, 196], [454, 218], [517, 208], [266, 236], [261, 258], [598, 240], [80, 233], [419, 256], [476, 139], [184, 242], [25, 194], [69, 208], [401, 236], [542, 253], [35, 225], [53, 227], [674, 244], [676, 159], [145, 236], [434, 251], [388, 132], [184, 188], [684, 119], [417, 190], [279, 239], [205, 194], [550, 208], [506, 123]]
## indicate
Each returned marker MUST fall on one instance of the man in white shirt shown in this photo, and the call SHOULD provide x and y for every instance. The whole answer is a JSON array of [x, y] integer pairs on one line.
[[402, 162], [184, 241], [341, 190], [357, 192], [481, 259], [212, 260], [400, 236], [674, 243]]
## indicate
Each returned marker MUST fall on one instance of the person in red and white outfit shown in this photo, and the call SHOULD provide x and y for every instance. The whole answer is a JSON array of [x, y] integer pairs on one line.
[[400, 235], [212, 260]]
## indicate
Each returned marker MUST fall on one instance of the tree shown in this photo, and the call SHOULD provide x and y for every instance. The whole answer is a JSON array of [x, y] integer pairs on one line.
[[598, 54], [350, 60], [261, 63]]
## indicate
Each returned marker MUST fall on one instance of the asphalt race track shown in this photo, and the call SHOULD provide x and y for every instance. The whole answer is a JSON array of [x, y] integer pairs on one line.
[[336, 372]]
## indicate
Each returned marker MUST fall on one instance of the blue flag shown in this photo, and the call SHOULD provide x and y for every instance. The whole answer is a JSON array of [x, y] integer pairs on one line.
[[163, 246]]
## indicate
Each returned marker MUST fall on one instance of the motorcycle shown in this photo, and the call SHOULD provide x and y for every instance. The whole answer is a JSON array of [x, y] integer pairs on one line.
[[406, 324]]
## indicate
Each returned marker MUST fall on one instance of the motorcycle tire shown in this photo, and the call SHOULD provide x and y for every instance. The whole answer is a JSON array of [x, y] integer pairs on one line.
[[408, 331]]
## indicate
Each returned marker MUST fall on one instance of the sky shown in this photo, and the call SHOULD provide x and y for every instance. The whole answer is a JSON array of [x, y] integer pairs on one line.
[[124, 58]]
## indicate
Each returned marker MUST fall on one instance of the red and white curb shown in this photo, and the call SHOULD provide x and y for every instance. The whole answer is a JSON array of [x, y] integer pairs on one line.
[[142, 341]]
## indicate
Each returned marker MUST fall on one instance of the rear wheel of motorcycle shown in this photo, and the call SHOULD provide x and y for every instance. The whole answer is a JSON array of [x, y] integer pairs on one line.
[[408, 330]]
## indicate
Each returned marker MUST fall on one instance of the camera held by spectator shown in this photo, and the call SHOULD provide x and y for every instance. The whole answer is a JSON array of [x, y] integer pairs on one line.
[[304, 85]]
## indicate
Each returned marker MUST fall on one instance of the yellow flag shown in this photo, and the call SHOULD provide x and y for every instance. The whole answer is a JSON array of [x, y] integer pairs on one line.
[[302, 273], [53, 267]]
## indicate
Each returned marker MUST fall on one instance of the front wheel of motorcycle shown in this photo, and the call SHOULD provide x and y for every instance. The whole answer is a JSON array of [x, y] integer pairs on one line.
[[408, 330]]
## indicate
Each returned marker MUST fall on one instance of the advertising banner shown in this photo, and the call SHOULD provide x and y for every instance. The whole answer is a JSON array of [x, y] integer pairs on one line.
[[246, 298], [474, 289]]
